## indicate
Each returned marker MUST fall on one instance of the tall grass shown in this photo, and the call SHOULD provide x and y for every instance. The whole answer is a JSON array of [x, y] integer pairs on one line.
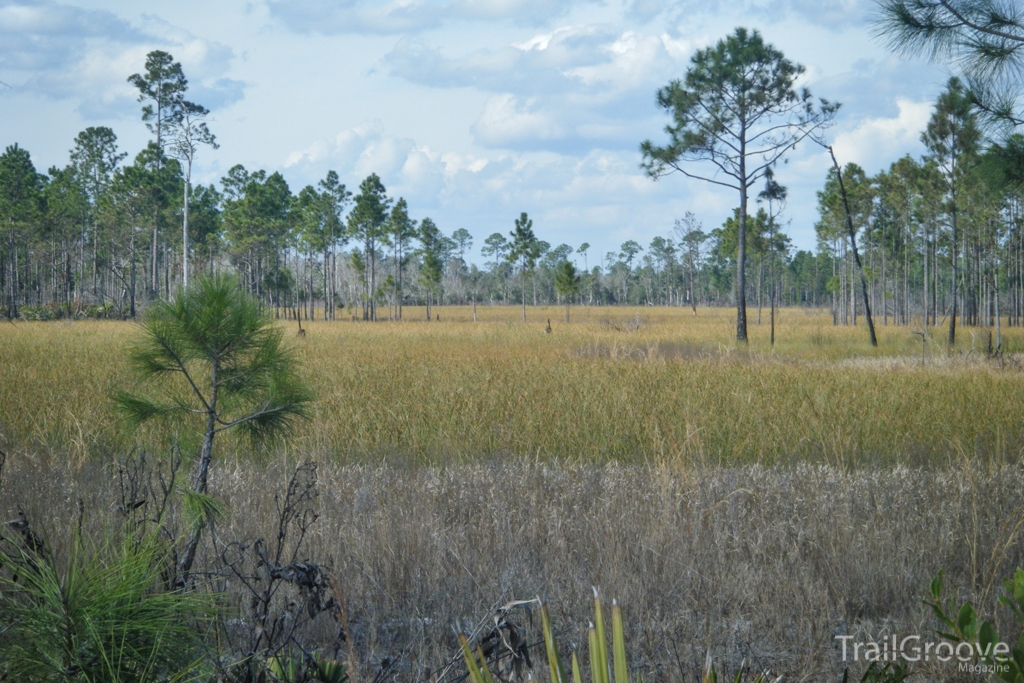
[[754, 563], [675, 389]]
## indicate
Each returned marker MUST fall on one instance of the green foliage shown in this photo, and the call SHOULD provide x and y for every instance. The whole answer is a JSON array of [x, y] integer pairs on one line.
[[567, 280], [962, 626], [103, 614], [524, 248], [199, 509], [94, 159], [523, 251], [730, 92], [256, 218], [726, 238], [983, 39], [308, 670], [370, 213], [602, 668], [431, 271], [215, 352], [159, 86], [496, 247], [952, 133]]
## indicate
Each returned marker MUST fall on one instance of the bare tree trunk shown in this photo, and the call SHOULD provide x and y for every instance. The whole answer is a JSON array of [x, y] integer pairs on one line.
[[952, 318], [184, 233], [999, 328], [199, 485], [132, 252], [741, 251], [924, 251], [760, 286], [693, 294], [524, 295], [856, 256]]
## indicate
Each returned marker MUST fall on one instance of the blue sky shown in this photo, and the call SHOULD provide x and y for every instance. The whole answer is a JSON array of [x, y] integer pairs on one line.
[[473, 110]]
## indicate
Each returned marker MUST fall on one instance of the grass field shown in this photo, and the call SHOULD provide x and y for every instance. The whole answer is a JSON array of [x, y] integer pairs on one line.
[[678, 389], [758, 564], [746, 501]]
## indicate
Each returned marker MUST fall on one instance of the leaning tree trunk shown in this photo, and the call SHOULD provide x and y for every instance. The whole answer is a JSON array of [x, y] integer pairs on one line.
[[856, 256]]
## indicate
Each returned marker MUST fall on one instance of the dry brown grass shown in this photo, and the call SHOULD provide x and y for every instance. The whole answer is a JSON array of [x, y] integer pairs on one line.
[[766, 564]]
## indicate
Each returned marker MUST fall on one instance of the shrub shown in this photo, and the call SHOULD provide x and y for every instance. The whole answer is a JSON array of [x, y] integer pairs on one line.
[[103, 614]]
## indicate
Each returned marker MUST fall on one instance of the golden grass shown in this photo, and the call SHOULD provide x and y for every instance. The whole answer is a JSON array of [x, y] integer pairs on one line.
[[678, 389]]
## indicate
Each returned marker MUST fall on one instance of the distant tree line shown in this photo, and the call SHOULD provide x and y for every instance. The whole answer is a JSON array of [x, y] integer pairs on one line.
[[941, 237]]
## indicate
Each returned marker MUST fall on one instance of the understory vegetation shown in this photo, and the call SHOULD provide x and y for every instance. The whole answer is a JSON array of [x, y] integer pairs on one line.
[[754, 563]]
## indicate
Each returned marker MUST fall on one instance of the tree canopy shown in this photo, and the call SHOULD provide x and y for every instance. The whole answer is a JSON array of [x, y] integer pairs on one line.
[[735, 115]]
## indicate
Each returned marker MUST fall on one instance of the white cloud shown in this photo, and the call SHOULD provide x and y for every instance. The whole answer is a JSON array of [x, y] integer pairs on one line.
[[478, 109], [506, 121], [61, 51], [405, 16], [565, 90], [878, 141], [631, 59], [404, 166]]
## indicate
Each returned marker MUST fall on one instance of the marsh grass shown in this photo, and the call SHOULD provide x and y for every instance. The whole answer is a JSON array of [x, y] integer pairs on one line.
[[755, 563], [674, 388]]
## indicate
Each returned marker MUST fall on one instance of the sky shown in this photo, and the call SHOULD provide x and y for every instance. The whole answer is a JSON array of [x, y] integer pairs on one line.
[[472, 110]]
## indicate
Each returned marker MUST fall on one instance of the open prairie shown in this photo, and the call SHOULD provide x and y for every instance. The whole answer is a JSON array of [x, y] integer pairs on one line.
[[632, 385], [748, 502]]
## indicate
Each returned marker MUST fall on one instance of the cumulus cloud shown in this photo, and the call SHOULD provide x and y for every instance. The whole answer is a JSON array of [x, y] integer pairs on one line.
[[539, 64], [832, 14], [581, 59], [61, 51], [876, 141], [405, 167], [409, 16], [565, 89], [37, 35], [508, 122]]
